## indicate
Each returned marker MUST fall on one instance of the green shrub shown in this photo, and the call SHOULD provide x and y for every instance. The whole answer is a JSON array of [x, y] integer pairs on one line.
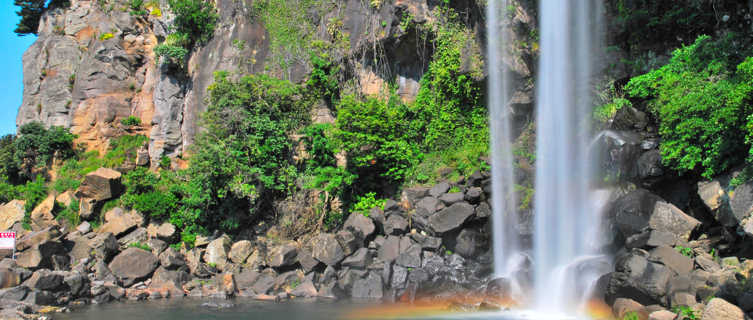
[[365, 203], [685, 251], [378, 138], [69, 213], [165, 162], [139, 245], [149, 194], [174, 54], [686, 313], [33, 192], [702, 100], [632, 315], [137, 8], [131, 121], [8, 191], [323, 77], [122, 148], [195, 18], [35, 145]]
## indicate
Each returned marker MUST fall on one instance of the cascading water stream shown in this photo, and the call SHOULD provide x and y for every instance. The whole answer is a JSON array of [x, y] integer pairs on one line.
[[566, 214], [504, 216]]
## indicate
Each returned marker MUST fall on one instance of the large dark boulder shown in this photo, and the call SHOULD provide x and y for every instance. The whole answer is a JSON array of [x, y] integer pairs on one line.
[[360, 225], [641, 209], [133, 265], [282, 256], [450, 218], [327, 249], [369, 287], [638, 279], [100, 185]]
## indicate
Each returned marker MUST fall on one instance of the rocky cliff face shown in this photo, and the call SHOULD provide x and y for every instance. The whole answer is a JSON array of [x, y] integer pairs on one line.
[[93, 63]]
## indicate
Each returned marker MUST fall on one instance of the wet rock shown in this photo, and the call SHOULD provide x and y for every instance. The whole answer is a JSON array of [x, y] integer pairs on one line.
[[473, 195], [399, 277], [360, 225], [395, 225], [100, 185], [451, 198], [283, 255], [450, 218], [439, 189], [718, 309], [669, 257], [412, 195], [306, 259], [119, 222], [426, 242], [368, 288], [78, 284], [360, 259], [638, 279], [216, 253], [483, 210], [327, 250], [17, 293], [46, 280], [428, 206], [305, 289], [682, 299], [640, 209], [467, 242], [624, 306], [240, 251], [649, 165], [410, 256], [390, 249], [133, 265], [171, 259]]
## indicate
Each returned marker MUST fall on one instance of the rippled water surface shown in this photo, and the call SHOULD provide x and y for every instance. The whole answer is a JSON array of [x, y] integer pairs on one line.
[[188, 309]]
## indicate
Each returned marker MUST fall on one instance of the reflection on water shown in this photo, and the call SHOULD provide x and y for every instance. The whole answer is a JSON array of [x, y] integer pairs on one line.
[[189, 309]]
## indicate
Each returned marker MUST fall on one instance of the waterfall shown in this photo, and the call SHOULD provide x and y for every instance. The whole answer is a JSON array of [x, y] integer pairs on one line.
[[566, 215], [504, 214]]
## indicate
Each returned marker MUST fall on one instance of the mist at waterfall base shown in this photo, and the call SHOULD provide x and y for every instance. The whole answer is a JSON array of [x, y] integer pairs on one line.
[[566, 262]]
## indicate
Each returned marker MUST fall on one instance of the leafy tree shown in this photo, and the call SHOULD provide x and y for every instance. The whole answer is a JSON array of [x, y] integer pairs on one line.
[[35, 145], [195, 18], [30, 13]]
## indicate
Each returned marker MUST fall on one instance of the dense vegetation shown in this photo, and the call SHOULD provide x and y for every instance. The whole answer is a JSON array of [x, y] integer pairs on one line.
[[194, 24], [702, 102]]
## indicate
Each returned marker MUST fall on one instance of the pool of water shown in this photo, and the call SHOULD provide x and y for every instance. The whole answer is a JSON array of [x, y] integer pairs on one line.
[[190, 309]]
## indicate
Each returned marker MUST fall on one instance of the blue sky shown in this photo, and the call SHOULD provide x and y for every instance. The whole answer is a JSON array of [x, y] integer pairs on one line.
[[11, 83]]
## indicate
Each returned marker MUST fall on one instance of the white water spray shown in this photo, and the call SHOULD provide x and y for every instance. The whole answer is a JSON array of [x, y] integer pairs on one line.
[[566, 214], [504, 217]]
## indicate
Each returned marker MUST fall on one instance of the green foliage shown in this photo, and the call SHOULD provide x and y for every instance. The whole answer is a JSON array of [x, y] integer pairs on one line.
[[8, 166], [122, 148], [323, 77], [106, 36], [142, 246], [30, 13], [8, 191], [686, 313], [131, 121], [174, 54], [702, 100], [33, 192], [69, 213], [195, 18], [291, 32], [632, 315], [378, 138], [365, 203], [244, 158], [149, 194], [606, 111], [685, 251], [165, 162], [137, 8], [35, 146]]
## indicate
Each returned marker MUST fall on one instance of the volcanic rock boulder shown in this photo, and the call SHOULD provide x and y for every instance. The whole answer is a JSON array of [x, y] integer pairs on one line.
[[282, 256], [450, 218], [217, 250], [119, 221], [327, 249], [640, 208], [133, 265], [240, 251], [360, 225]]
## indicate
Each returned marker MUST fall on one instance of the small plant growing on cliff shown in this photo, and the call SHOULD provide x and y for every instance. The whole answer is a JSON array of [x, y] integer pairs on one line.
[[685, 313], [131, 121], [137, 8], [196, 18], [142, 246], [685, 251], [106, 36], [632, 315]]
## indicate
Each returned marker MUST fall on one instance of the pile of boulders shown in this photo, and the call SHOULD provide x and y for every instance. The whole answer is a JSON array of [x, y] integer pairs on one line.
[[431, 239]]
